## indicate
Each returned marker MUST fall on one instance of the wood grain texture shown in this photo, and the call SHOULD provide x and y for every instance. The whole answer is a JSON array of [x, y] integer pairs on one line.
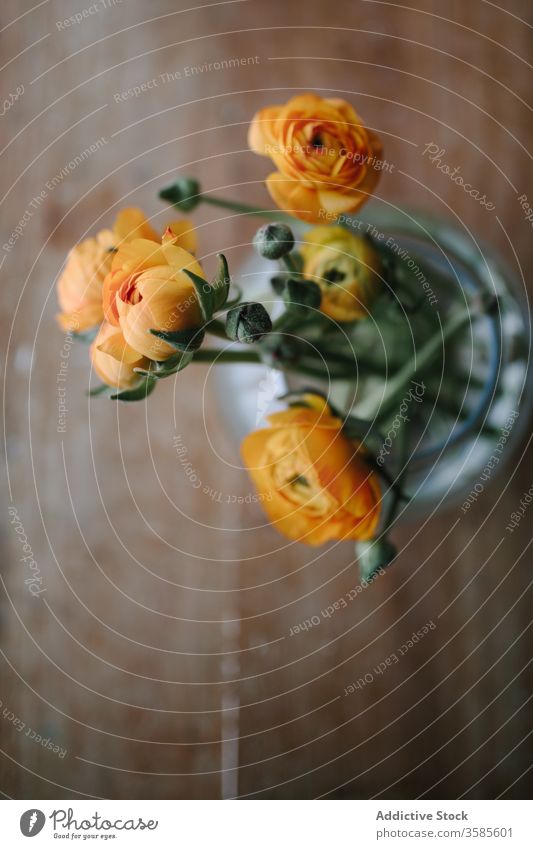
[[159, 656]]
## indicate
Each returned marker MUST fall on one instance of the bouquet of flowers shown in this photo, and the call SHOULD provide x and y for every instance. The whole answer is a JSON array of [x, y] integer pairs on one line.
[[350, 310]]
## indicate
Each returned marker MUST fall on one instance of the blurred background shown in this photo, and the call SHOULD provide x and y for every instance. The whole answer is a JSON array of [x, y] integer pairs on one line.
[[157, 660]]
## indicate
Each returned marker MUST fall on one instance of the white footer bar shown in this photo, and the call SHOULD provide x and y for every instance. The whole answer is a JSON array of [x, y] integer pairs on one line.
[[267, 824]]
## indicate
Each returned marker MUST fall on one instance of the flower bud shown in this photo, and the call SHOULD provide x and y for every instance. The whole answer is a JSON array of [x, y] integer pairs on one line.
[[274, 240], [184, 194], [248, 323]]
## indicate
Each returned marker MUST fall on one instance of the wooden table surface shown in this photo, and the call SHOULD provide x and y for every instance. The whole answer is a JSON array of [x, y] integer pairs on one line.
[[158, 656]]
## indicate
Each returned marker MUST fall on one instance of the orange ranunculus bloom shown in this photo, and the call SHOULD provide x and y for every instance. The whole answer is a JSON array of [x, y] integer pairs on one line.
[[323, 154], [79, 288], [147, 289], [347, 269], [314, 483], [114, 360]]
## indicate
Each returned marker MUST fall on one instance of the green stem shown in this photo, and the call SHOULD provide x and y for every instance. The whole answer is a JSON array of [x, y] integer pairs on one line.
[[290, 264], [215, 355], [355, 364], [379, 552], [382, 403], [246, 209], [283, 322], [397, 488], [316, 368], [289, 320], [217, 328]]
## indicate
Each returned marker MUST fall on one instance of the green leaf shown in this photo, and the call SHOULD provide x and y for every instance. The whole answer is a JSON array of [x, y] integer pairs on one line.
[[97, 390], [138, 393], [205, 292], [182, 340], [171, 366], [221, 282], [236, 298], [373, 556], [175, 364]]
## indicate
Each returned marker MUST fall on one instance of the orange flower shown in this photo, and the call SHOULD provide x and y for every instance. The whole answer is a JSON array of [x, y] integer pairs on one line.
[[131, 224], [114, 360], [323, 154], [79, 288], [147, 289], [347, 269], [315, 486]]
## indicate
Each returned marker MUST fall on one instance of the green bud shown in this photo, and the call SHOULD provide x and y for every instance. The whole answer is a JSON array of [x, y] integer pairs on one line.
[[185, 194], [373, 555], [248, 323], [274, 240]]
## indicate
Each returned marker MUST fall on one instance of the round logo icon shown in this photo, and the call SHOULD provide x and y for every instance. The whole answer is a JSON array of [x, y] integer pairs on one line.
[[32, 822]]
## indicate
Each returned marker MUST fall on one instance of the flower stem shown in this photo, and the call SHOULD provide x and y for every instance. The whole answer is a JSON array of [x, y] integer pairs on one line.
[[290, 264], [216, 355], [397, 489], [245, 208], [283, 322], [383, 401], [217, 328]]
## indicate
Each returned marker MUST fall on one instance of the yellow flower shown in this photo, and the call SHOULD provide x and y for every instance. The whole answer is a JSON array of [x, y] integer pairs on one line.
[[131, 224], [314, 484], [79, 288], [114, 360], [347, 269], [325, 157], [147, 289]]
